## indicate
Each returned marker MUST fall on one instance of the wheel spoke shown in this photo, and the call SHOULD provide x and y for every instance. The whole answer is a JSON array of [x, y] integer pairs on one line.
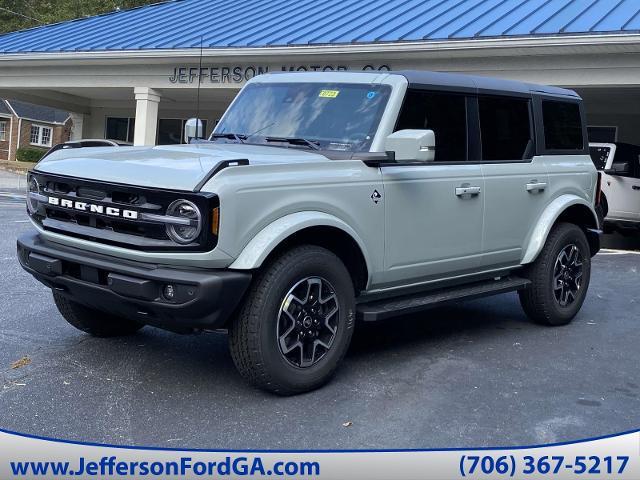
[[303, 363], [565, 296], [328, 318], [291, 327], [314, 291], [293, 300], [331, 296], [316, 344], [557, 282], [563, 258]]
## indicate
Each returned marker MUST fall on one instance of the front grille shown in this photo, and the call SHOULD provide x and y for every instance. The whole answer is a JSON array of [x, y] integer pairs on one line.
[[112, 213]]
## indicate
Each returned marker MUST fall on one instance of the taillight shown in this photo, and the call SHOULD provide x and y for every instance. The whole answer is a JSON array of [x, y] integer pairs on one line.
[[599, 188]]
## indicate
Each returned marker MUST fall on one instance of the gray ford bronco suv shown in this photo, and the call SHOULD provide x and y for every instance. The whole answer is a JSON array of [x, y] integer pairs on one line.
[[322, 199]]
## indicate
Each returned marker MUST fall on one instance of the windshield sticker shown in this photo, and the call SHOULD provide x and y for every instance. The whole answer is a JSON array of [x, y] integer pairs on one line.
[[370, 95], [343, 147], [329, 93]]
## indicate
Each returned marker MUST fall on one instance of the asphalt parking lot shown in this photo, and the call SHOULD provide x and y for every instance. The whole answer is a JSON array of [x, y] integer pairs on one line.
[[470, 375]]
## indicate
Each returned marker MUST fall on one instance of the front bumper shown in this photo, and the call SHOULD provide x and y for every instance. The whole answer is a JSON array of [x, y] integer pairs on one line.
[[202, 299]]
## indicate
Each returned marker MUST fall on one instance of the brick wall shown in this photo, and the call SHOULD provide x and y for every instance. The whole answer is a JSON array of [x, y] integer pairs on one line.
[[60, 134], [4, 145]]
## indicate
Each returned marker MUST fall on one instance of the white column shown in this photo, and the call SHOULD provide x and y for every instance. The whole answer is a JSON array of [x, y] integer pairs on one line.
[[147, 102], [77, 126]]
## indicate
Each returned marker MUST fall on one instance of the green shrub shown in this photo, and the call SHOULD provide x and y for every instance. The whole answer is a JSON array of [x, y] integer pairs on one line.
[[27, 154]]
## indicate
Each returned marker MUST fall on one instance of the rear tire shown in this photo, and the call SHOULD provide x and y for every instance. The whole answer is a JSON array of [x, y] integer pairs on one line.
[[94, 322], [560, 277], [279, 340]]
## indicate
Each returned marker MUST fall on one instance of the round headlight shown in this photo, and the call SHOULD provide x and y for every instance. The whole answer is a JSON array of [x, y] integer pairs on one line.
[[188, 223], [32, 187]]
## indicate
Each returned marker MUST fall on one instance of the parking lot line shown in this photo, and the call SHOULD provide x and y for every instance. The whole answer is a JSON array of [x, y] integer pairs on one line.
[[611, 251]]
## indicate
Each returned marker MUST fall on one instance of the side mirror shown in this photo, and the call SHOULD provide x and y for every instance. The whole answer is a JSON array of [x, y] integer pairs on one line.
[[412, 145], [193, 128], [619, 168]]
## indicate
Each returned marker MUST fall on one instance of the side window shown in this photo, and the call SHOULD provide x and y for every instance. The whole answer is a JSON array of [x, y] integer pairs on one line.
[[562, 125], [445, 114], [599, 156], [631, 155], [505, 126]]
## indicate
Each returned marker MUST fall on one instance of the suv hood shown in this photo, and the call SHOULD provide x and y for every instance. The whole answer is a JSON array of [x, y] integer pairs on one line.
[[175, 167]]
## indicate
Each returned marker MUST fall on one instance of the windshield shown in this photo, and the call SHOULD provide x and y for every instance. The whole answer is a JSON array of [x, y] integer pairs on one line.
[[336, 116]]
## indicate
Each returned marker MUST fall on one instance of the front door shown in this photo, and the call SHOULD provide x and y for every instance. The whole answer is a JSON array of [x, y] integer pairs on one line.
[[432, 228], [434, 210], [623, 191]]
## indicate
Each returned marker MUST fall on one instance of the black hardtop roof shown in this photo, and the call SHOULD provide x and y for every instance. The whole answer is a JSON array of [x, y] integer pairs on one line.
[[455, 81]]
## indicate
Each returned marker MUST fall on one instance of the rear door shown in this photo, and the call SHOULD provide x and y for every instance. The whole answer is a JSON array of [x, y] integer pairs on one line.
[[516, 182], [434, 231]]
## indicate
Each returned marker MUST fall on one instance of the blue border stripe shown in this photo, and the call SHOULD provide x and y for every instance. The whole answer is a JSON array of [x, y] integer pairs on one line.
[[457, 449]]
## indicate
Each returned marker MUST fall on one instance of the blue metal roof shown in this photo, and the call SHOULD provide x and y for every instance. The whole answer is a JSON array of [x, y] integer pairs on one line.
[[262, 23]]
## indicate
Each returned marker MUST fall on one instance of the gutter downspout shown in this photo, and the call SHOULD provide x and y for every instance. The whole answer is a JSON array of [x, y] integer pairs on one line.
[[10, 138]]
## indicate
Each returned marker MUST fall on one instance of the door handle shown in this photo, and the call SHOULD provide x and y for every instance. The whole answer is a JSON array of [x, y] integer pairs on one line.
[[461, 191], [536, 186], [636, 187]]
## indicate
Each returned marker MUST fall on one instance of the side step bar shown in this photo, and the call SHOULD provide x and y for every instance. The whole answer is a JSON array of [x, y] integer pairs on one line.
[[383, 309]]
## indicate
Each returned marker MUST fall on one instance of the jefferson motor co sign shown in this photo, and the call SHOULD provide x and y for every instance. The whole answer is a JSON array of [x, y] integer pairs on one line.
[[241, 74]]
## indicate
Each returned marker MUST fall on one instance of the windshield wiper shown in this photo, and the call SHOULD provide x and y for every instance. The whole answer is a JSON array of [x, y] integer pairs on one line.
[[313, 144], [238, 137]]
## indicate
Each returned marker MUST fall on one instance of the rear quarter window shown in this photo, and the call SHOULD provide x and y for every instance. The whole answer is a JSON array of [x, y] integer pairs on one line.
[[562, 125]]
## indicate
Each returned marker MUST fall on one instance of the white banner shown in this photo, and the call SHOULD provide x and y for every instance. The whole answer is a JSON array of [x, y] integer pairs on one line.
[[614, 457]]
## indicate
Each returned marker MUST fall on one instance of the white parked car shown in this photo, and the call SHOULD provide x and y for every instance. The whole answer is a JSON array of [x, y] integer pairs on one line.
[[620, 201]]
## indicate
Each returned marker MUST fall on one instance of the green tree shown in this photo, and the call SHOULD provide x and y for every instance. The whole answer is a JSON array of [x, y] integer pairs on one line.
[[21, 14]]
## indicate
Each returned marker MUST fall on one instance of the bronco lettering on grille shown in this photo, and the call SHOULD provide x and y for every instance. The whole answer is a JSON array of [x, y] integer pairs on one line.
[[92, 208]]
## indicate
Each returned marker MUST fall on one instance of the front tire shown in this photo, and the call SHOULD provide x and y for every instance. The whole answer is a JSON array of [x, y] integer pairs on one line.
[[296, 323], [560, 277], [94, 322]]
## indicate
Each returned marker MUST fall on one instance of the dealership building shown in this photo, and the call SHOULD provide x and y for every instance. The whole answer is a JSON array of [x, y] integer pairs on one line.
[[133, 75]]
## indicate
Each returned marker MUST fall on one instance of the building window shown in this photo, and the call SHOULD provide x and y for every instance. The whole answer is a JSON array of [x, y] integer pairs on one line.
[[562, 125], [41, 136], [171, 130], [445, 114], [505, 126], [602, 134], [120, 128], [3, 131]]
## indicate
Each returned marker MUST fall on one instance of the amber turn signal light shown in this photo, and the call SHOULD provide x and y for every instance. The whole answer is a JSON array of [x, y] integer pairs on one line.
[[215, 221]]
